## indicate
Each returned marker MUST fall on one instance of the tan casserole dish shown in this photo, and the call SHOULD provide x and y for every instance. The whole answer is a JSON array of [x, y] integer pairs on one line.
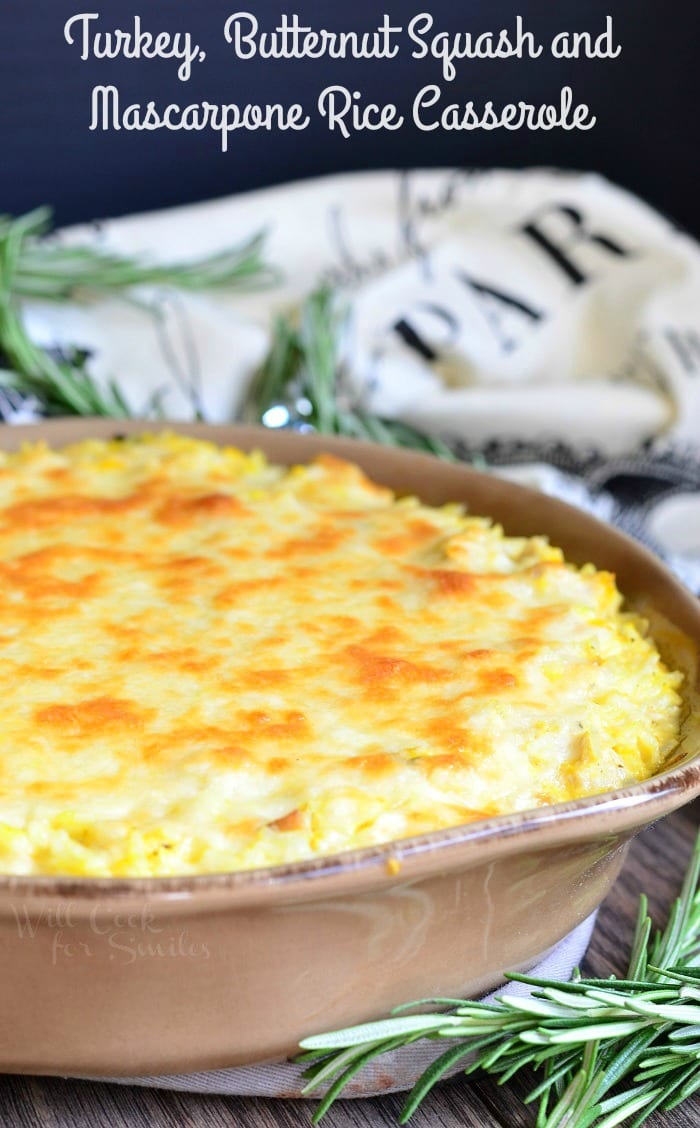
[[141, 976]]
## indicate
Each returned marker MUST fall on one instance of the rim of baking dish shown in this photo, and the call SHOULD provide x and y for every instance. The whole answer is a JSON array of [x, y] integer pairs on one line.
[[626, 809]]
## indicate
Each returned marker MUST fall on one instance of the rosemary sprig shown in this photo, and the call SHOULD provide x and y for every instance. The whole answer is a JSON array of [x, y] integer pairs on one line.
[[303, 381], [32, 266], [60, 383], [609, 1051], [48, 269]]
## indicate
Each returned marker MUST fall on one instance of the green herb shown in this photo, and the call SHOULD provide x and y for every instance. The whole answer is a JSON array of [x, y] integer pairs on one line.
[[51, 270], [304, 383], [33, 266], [62, 386], [609, 1051]]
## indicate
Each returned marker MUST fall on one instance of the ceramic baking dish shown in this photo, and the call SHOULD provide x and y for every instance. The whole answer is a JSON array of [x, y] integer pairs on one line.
[[153, 975]]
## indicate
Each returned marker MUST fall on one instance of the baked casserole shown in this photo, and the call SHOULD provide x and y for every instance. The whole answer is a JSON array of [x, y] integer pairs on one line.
[[213, 663]]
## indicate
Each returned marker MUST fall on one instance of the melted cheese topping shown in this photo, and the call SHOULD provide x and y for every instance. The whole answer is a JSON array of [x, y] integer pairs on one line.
[[210, 663]]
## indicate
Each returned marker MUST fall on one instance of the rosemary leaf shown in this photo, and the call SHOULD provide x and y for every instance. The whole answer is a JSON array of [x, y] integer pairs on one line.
[[303, 382], [47, 269]]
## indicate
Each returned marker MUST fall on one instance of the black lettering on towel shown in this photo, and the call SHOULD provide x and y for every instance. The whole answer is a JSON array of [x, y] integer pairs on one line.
[[559, 251], [496, 305], [686, 345], [411, 337]]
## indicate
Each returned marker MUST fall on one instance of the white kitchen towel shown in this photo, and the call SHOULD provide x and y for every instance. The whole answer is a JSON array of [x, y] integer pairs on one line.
[[527, 303], [394, 1071], [546, 309]]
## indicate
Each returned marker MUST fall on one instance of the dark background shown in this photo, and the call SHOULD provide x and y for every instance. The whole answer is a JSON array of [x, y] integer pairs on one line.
[[646, 102]]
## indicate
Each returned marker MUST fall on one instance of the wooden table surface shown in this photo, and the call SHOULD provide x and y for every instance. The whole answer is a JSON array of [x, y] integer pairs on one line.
[[655, 864]]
